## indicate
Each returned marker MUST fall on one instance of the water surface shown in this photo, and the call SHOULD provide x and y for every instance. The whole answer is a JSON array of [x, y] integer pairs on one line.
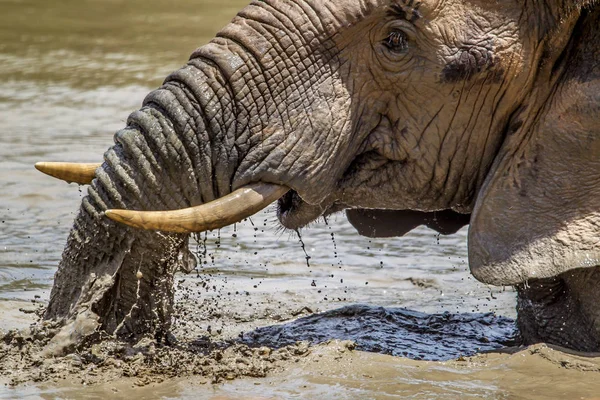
[[72, 71]]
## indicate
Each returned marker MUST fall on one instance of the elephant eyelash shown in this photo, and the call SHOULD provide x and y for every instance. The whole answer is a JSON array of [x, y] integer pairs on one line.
[[396, 41]]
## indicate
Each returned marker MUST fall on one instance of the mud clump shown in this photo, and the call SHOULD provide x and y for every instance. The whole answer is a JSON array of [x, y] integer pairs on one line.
[[145, 362]]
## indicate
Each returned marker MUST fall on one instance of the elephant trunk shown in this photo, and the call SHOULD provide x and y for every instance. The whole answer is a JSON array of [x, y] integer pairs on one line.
[[178, 151], [259, 103]]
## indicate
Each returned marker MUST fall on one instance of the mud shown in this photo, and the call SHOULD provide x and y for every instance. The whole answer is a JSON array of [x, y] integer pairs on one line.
[[22, 360], [211, 368], [394, 331], [233, 349], [193, 349], [219, 352]]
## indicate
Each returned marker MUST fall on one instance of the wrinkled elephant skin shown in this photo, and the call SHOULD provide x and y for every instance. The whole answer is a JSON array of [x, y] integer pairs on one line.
[[400, 112]]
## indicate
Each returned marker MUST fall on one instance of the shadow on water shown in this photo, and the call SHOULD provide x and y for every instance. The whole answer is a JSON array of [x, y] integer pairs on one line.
[[394, 331]]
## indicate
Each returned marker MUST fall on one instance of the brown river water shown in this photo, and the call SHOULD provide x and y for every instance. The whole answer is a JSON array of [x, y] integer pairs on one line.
[[72, 71]]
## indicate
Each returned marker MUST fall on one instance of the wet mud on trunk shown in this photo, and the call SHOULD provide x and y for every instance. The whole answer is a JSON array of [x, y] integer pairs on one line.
[[128, 298]]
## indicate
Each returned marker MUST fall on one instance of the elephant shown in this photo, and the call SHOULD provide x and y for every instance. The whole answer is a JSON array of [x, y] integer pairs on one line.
[[396, 112]]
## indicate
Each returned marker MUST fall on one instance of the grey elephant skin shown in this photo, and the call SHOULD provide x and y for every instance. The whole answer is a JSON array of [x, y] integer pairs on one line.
[[400, 112]]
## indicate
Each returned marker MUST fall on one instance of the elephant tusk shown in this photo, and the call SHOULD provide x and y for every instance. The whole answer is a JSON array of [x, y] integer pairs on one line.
[[71, 172], [227, 210]]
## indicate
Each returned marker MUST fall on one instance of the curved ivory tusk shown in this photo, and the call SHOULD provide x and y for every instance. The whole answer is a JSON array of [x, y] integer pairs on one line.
[[71, 172], [227, 210]]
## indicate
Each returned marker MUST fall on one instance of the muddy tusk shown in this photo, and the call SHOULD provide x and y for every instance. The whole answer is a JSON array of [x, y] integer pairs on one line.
[[71, 172], [227, 210]]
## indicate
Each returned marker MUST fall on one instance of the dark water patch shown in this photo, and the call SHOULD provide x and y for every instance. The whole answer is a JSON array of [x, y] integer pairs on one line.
[[394, 331]]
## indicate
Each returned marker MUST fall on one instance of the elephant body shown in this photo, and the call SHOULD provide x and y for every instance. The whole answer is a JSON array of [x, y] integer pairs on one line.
[[397, 111]]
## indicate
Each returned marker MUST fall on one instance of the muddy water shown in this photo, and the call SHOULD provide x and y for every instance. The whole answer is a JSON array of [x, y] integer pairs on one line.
[[71, 72]]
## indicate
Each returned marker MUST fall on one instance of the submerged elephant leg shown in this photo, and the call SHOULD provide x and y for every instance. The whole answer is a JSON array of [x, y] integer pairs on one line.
[[562, 310]]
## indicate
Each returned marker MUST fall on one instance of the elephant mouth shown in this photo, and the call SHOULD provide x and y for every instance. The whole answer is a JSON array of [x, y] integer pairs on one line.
[[295, 213]]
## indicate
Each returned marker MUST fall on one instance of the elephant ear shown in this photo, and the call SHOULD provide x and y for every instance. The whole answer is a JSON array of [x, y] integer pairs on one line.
[[391, 223], [538, 213]]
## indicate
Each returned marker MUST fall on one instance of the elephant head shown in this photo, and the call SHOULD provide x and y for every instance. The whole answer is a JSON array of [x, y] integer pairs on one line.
[[371, 106]]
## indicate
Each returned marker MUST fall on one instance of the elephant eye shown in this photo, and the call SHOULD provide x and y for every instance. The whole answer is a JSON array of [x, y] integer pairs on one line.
[[396, 41]]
